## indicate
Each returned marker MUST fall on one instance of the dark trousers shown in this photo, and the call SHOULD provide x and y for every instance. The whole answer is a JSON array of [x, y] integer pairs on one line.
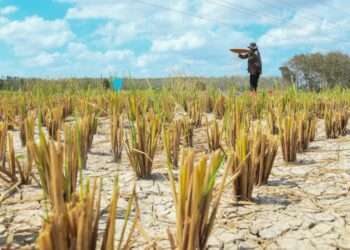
[[254, 78]]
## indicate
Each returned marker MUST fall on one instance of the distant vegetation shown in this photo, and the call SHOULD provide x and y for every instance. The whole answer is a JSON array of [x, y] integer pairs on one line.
[[80, 84], [307, 71], [318, 71]]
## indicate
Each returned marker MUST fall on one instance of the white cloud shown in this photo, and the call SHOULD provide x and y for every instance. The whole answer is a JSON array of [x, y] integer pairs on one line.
[[318, 34], [8, 10], [185, 42], [76, 48], [102, 10], [35, 34], [79, 60], [43, 59], [151, 41], [113, 33], [107, 56], [149, 59], [166, 38]]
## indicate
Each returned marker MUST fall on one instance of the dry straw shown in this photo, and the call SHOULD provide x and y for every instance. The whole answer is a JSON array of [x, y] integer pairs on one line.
[[336, 120], [9, 114], [49, 162], [196, 203], [254, 156], [117, 135], [76, 224], [220, 106], [288, 135], [87, 128], [234, 121], [171, 138], [312, 128], [268, 152], [3, 143], [208, 102], [53, 121], [58, 167], [319, 107], [187, 132], [214, 135], [24, 169], [27, 127], [72, 157], [22, 114], [8, 171], [141, 142], [194, 111], [245, 162], [271, 120], [306, 126]]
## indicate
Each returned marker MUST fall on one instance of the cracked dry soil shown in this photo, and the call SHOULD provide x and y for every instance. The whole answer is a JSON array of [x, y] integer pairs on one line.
[[306, 204]]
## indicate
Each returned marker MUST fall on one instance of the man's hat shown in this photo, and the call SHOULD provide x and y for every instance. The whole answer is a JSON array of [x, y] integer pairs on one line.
[[253, 46]]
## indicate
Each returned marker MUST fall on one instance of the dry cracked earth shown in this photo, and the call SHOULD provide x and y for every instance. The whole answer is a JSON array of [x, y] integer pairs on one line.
[[306, 204]]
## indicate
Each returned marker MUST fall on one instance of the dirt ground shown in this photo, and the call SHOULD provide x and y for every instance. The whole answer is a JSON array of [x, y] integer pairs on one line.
[[306, 204]]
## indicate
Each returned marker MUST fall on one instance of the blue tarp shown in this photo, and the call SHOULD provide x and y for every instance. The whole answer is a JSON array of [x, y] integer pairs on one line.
[[117, 83]]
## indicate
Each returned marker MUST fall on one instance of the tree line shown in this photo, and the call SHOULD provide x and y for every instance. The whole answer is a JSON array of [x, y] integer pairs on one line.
[[318, 71]]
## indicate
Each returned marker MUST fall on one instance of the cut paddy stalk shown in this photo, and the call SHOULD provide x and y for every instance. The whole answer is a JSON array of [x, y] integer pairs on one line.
[[336, 120], [271, 120], [172, 138], [87, 130], [312, 127], [3, 142], [43, 110], [194, 111], [220, 106], [288, 136], [303, 136], [208, 101], [115, 101], [268, 152], [246, 162], [306, 126], [195, 202], [117, 134], [22, 115], [8, 117], [214, 135], [188, 132], [53, 120], [234, 121], [8, 171], [141, 142], [49, 162], [166, 108], [76, 225], [24, 169], [72, 160], [137, 106], [58, 167], [27, 127], [67, 104], [319, 107]]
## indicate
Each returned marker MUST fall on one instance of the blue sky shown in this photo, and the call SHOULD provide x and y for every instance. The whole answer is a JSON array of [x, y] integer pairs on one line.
[[77, 38]]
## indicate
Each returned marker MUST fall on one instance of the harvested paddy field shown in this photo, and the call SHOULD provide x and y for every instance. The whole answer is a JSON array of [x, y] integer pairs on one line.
[[305, 205]]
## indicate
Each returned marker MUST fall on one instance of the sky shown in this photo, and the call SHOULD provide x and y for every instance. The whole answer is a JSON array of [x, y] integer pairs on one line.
[[157, 38]]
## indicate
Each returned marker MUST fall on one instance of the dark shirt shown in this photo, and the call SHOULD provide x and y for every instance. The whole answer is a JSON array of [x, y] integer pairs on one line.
[[254, 62]]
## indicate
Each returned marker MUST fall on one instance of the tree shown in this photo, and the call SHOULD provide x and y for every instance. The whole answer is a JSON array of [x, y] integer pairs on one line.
[[318, 71]]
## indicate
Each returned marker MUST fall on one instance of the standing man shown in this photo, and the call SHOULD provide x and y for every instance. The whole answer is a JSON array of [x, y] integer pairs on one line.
[[254, 65]]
